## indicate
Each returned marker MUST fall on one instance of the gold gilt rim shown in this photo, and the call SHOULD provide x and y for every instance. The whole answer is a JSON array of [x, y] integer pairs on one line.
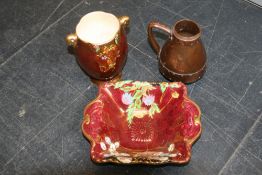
[[189, 143]]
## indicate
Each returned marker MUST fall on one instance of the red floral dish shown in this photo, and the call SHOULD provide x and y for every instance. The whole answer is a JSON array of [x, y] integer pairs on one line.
[[141, 122]]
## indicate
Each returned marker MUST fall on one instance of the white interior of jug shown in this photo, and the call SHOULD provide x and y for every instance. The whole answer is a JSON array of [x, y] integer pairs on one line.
[[97, 27]]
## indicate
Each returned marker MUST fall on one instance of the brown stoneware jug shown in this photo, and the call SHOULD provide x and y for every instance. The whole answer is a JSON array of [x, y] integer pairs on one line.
[[183, 56], [100, 44]]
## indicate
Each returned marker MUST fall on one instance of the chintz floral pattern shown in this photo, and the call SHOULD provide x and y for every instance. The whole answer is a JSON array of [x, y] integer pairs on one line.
[[107, 144], [110, 151], [138, 99], [108, 54], [148, 100], [127, 98]]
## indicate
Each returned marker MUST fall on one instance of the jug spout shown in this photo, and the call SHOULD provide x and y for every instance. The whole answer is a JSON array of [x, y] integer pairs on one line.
[[186, 30]]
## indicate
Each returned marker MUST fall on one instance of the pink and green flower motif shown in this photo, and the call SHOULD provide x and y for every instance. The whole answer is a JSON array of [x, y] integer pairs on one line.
[[136, 95]]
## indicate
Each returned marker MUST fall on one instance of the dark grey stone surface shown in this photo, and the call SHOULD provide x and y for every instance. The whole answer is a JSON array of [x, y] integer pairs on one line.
[[23, 20], [43, 90], [247, 157]]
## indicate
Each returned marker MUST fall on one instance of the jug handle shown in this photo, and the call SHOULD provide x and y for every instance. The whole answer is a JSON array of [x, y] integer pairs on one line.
[[124, 21], [71, 40], [151, 37]]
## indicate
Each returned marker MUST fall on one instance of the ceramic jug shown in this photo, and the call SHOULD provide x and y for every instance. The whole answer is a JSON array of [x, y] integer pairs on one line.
[[183, 56], [100, 44]]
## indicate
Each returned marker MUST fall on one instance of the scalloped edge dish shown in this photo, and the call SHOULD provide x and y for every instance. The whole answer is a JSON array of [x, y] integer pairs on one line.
[[131, 122]]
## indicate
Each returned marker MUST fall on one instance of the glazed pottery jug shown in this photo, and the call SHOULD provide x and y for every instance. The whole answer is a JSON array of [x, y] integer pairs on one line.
[[183, 56], [100, 44]]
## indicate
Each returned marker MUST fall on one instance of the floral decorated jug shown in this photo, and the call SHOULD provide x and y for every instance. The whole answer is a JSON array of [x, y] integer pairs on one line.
[[100, 44]]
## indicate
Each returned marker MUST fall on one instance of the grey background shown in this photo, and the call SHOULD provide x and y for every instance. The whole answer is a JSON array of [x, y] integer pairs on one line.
[[43, 91]]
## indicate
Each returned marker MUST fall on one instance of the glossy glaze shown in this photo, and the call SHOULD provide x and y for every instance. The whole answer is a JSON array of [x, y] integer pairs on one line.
[[104, 61], [183, 56], [141, 122]]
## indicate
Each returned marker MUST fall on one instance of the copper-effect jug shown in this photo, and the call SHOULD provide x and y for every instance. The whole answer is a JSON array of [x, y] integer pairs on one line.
[[183, 56]]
